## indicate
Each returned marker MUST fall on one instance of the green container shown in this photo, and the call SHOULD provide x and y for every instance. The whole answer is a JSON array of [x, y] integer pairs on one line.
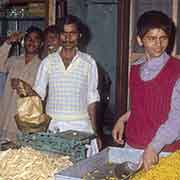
[[71, 143]]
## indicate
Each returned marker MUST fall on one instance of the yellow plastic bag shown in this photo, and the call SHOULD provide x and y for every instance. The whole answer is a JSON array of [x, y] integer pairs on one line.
[[30, 116]]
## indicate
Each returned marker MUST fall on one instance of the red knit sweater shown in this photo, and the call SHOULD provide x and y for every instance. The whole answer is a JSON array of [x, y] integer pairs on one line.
[[150, 104]]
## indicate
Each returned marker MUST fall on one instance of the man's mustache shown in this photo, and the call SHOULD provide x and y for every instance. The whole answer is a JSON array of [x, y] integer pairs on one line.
[[67, 41]]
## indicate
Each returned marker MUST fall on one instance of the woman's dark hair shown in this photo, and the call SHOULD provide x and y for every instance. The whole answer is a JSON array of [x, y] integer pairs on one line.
[[154, 19], [36, 30]]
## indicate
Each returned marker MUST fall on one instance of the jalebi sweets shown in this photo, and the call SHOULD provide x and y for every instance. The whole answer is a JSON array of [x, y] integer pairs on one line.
[[168, 168]]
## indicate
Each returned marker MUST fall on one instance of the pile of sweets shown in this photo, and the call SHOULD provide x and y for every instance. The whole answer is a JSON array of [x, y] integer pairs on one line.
[[168, 168]]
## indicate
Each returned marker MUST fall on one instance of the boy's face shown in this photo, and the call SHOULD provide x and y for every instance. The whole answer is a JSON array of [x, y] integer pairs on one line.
[[155, 42], [52, 40]]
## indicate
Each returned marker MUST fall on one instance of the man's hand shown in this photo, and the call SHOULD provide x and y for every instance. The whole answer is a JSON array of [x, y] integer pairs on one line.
[[150, 157], [118, 129], [14, 37], [22, 88]]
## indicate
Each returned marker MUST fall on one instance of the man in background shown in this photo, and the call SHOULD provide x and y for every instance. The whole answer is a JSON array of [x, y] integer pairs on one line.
[[51, 40], [23, 67]]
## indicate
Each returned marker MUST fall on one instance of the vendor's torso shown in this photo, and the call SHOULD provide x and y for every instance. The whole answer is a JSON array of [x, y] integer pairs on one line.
[[68, 89], [150, 103]]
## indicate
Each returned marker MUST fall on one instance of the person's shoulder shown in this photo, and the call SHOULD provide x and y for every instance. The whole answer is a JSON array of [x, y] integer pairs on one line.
[[16, 59], [86, 57], [45, 61], [174, 64], [52, 55], [49, 57], [137, 62], [175, 61]]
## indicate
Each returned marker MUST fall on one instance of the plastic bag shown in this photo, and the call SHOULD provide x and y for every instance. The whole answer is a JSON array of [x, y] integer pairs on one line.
[[30, 116]]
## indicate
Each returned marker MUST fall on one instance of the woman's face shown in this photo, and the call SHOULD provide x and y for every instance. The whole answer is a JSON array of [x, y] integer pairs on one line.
[[155, 42]]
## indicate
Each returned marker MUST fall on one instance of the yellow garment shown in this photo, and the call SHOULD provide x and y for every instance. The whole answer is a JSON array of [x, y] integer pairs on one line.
[[16, 68], [166, 169]]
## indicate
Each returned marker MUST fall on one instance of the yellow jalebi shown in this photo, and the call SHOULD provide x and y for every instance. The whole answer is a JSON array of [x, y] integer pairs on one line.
[[168, 168]]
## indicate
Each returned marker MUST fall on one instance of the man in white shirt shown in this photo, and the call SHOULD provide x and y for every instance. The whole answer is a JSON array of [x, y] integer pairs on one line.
[[71, 77]]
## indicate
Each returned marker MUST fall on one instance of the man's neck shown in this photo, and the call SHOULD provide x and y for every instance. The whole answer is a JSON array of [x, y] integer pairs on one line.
[[68, 54]]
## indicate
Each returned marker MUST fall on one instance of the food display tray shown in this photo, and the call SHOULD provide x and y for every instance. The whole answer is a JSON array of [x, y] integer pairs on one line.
[[71, 143], [110, 155]]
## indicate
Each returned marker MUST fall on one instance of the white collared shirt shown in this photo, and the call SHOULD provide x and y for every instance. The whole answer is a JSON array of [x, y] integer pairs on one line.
[[70, 90]]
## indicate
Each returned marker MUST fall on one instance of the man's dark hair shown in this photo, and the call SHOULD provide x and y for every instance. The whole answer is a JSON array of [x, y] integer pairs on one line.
[[35, 29], [51, 29], [69, 19], [82, 28], [154, 19]]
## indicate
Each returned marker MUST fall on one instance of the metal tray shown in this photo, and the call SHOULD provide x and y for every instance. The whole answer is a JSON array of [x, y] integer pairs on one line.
[[110, 155]]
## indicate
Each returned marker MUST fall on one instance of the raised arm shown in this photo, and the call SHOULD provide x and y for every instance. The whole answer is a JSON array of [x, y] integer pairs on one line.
[[4, 50]]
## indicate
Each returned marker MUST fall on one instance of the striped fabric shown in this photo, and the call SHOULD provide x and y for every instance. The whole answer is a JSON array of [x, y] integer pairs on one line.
[[68, 89]]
